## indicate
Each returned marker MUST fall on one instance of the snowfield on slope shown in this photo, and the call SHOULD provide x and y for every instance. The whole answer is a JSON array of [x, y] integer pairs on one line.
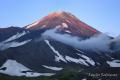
[[87, 59], [58, 56], [114, 63], [13, 68], [53, 68], [4, 46], [16, 36]]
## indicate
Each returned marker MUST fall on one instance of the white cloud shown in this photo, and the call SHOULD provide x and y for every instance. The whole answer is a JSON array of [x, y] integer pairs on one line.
[[99, 42]]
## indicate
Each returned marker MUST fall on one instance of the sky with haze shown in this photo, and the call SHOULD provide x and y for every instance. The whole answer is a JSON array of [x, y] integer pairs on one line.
[[104, 15]]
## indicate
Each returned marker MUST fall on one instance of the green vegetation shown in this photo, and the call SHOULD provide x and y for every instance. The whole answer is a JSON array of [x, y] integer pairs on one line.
[[70, 74]]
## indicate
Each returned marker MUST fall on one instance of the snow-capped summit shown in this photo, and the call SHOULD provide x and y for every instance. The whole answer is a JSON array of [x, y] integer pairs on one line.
[[64, 21]]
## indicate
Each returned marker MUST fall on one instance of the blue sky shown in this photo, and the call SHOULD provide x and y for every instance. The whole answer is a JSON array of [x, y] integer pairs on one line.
[[103, 15]]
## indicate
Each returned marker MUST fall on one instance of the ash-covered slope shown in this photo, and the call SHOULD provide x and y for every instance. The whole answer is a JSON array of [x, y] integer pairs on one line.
[[5, 33]]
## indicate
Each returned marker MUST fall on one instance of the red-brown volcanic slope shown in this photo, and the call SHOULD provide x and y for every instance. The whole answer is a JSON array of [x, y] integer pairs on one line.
[[66, 22]]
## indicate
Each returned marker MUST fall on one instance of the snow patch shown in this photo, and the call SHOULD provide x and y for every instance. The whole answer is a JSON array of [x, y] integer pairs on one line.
[[53, 68], [114, 63], [87, 59], [68, 21], [78, 61], [4, 46], [109, 56], [80, 51], [58, 26], [43, 26], [67, 31], [31, 25], [14, 68], [58, 56], [64, 25], [16, 36], [84, 79]]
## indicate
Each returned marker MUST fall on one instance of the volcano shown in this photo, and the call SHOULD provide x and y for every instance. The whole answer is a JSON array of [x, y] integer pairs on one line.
[[66, 22], [58, 45]]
